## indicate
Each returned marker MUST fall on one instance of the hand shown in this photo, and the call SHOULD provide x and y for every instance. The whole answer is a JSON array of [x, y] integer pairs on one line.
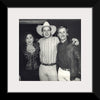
[[19, 78], [77, 79], [75, 41], [36, 66]]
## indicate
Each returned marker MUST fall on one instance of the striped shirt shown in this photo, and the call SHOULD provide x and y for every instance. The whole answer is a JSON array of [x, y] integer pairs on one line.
[[48, 49]]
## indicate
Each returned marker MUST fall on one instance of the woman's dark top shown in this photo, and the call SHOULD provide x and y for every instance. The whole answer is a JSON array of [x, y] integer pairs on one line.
[[29, 64]]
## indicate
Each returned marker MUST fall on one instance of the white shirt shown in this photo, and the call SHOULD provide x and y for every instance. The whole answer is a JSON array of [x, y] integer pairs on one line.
[[48, 49]]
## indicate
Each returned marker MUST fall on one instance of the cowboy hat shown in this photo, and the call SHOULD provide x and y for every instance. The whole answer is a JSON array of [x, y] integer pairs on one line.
[[39, 28]]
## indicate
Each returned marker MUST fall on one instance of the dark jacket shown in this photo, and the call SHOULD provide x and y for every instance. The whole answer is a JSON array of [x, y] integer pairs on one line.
[[68, 56]]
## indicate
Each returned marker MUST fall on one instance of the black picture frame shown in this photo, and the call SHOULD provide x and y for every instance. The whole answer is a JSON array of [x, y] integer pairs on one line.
[[95, 4]]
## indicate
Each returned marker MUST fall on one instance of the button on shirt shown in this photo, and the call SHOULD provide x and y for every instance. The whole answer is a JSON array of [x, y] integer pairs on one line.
[[48, 49]]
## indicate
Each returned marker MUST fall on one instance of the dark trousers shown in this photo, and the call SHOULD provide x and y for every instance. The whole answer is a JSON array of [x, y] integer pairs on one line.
[[30, 75]]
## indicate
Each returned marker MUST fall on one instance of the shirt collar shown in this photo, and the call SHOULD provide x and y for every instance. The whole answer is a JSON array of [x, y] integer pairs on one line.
[[65, 42]]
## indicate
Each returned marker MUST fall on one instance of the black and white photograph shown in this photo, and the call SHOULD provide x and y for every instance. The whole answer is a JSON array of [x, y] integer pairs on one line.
[[50, 49]]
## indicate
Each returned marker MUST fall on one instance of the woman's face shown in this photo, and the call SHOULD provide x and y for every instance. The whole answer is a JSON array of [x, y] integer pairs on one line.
[[29, 39], [46, 32]]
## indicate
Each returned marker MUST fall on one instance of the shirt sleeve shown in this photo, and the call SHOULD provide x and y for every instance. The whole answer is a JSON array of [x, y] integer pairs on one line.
[[76, 52], [57, 40], [77, 56], [39, 41], [37, 50], [57, 60]]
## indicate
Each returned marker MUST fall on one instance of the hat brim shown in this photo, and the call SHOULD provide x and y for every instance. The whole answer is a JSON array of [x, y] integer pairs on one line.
[[39, 29]]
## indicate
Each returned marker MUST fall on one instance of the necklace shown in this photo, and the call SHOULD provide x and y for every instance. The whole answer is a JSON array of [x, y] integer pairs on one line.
[[30, 49]]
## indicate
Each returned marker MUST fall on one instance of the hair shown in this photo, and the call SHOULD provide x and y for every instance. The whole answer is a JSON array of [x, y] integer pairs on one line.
[[63, 27], [26, 33], [68, 39]]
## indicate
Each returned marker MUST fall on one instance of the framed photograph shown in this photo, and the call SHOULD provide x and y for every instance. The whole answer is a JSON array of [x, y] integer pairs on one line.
[[28, 25], [50, 48]]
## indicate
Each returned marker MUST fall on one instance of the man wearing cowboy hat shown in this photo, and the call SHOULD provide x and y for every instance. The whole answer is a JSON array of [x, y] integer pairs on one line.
[[48, 52]]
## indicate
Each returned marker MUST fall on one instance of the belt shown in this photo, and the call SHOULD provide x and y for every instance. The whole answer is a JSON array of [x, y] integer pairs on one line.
[[48, 64], [65, 69]]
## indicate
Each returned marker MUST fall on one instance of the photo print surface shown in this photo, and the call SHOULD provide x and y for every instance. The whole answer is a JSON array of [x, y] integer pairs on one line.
[[50, 49]]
